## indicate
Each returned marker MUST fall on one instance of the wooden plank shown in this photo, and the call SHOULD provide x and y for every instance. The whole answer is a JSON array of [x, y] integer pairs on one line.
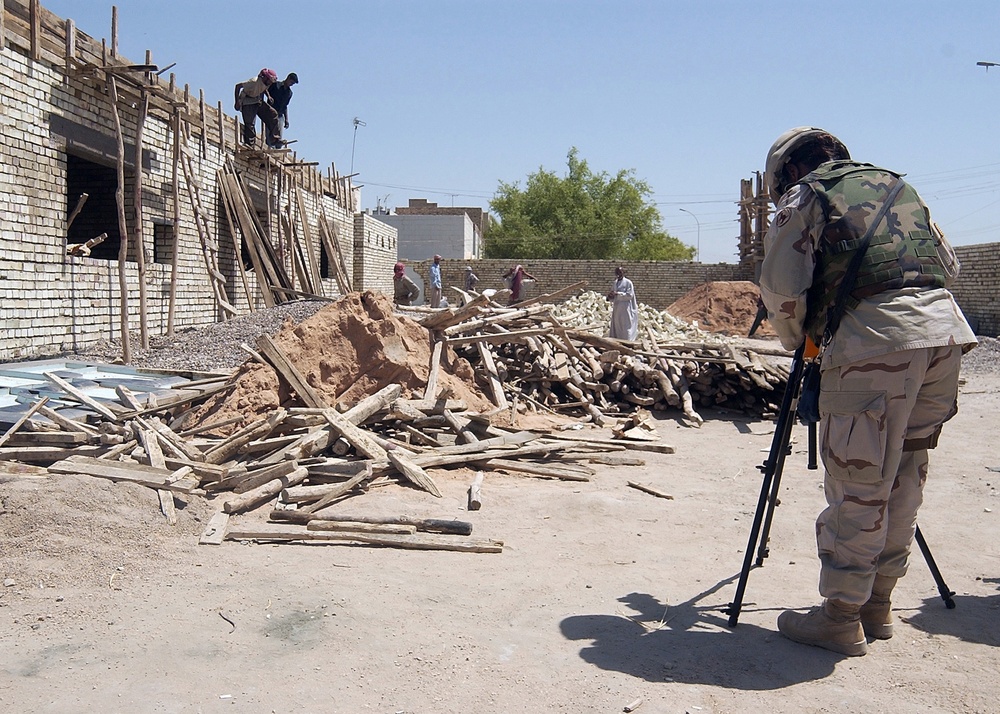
[[430, 391], [174, 442], [650, 490], [486, 354], [45, 438], [25, 417], [151, 443], [127, 398], [49, 454], [476, 492], [340, 490], [270, 350], [68, 424], [535, 469], [551, 297], [120, 471], [315, 280], [334, 526], [79, 396], [429, 525], [358, 438], [417, 541], [632, 445], [413, 473], [215, 531], [255, 497], [235, 443], [253, 479]]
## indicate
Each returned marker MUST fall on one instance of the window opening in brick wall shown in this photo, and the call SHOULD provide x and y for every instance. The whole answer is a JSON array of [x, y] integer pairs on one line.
[[163, 242], [100, 212], [324, 263]]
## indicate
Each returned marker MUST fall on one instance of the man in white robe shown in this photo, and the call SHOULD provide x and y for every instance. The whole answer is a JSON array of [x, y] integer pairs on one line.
[[624, 309]]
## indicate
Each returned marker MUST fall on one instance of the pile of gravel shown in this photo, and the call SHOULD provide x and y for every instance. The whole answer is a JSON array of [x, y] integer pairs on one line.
[[212, 348], [984, 359]]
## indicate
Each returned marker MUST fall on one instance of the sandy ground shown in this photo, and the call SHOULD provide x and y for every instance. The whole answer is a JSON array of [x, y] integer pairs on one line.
[[603, 595]]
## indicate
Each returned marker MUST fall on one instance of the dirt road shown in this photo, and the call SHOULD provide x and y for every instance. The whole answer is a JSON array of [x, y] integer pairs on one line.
[[603, 595]]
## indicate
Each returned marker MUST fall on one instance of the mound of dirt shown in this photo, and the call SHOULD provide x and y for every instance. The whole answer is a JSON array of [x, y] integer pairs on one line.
[[726, 307], [346, 351]]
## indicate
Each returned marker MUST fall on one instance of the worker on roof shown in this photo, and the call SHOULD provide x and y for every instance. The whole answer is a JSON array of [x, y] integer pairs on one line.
[[281, 94], [252, 101]]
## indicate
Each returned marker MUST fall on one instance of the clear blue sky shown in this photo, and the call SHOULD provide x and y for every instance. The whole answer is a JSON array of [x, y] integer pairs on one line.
[[458, 96]]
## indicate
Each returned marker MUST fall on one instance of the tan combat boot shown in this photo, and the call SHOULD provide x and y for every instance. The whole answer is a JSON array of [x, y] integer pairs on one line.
[[834, 626], [876, 614]]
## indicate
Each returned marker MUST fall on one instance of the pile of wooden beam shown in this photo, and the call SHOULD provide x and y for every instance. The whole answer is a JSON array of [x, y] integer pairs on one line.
[[525, 355], [295, 463]]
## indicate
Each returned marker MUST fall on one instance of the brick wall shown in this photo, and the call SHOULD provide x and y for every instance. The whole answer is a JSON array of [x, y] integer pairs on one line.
[[59, 141], [657, 284], [977, 289], [376, 244]]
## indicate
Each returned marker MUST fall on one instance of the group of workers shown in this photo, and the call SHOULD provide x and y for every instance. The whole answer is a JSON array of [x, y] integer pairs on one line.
[[267, 98], [624, 311]]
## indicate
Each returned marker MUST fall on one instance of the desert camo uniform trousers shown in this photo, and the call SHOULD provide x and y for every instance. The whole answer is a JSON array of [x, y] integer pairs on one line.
[[879, 416]]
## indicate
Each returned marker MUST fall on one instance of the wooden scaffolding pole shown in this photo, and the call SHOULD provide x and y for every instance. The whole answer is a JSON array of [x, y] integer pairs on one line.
[[176, 227], [122, 227], [140, 248]]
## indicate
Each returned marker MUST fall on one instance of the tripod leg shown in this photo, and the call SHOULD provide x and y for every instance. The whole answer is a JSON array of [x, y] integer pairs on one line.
[[734, 608], [946, 593], [772, 472], [772, 499]]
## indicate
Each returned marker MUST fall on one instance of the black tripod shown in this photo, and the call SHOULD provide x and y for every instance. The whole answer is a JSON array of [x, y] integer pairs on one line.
[[768, 499]]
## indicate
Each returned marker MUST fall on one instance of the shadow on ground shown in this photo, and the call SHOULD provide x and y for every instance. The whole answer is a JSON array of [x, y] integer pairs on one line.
[[973, 619], [693, 644]]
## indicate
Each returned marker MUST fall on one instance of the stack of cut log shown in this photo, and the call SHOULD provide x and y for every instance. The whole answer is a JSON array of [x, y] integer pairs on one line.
[[544, 364]]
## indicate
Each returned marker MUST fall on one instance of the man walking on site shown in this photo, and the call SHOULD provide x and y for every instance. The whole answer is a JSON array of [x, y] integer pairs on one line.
[[889, 366], [281, 94], [251, 101], [435, 281], [516, 276], [471, 279], [624, 309]]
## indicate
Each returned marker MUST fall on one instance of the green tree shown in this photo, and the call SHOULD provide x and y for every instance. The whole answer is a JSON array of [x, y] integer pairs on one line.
[[581, 215]]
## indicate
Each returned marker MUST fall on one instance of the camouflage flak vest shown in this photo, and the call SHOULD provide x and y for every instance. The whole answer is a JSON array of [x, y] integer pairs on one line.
[[902, 252]]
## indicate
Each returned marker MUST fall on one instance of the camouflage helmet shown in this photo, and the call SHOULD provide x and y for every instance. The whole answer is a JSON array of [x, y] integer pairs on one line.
[[780, 153]]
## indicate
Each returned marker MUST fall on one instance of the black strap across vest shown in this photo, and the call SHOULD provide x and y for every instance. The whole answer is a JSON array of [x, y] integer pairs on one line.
[[851, 274]]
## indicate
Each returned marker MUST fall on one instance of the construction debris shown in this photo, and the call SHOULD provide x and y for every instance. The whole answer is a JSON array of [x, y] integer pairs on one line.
[[358, 396]]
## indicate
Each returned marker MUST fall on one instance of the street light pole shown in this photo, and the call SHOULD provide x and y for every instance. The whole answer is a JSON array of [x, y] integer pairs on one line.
[[357, 123], [697, 249]]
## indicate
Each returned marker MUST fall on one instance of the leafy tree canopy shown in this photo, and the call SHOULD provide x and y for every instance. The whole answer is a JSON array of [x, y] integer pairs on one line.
[[581, 215]]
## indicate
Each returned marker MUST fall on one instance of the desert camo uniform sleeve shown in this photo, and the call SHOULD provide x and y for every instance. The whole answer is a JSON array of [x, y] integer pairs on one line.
[[789, 261]]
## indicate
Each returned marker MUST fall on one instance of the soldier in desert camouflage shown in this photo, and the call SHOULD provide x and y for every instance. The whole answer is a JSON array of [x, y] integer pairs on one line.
[[889, 372]]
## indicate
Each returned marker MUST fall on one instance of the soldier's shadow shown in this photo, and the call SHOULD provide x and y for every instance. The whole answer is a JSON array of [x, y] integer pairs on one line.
[[973, 619], [687, 643]]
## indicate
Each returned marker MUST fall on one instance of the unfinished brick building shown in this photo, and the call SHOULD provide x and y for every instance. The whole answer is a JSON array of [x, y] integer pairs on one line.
[[130, 206]]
